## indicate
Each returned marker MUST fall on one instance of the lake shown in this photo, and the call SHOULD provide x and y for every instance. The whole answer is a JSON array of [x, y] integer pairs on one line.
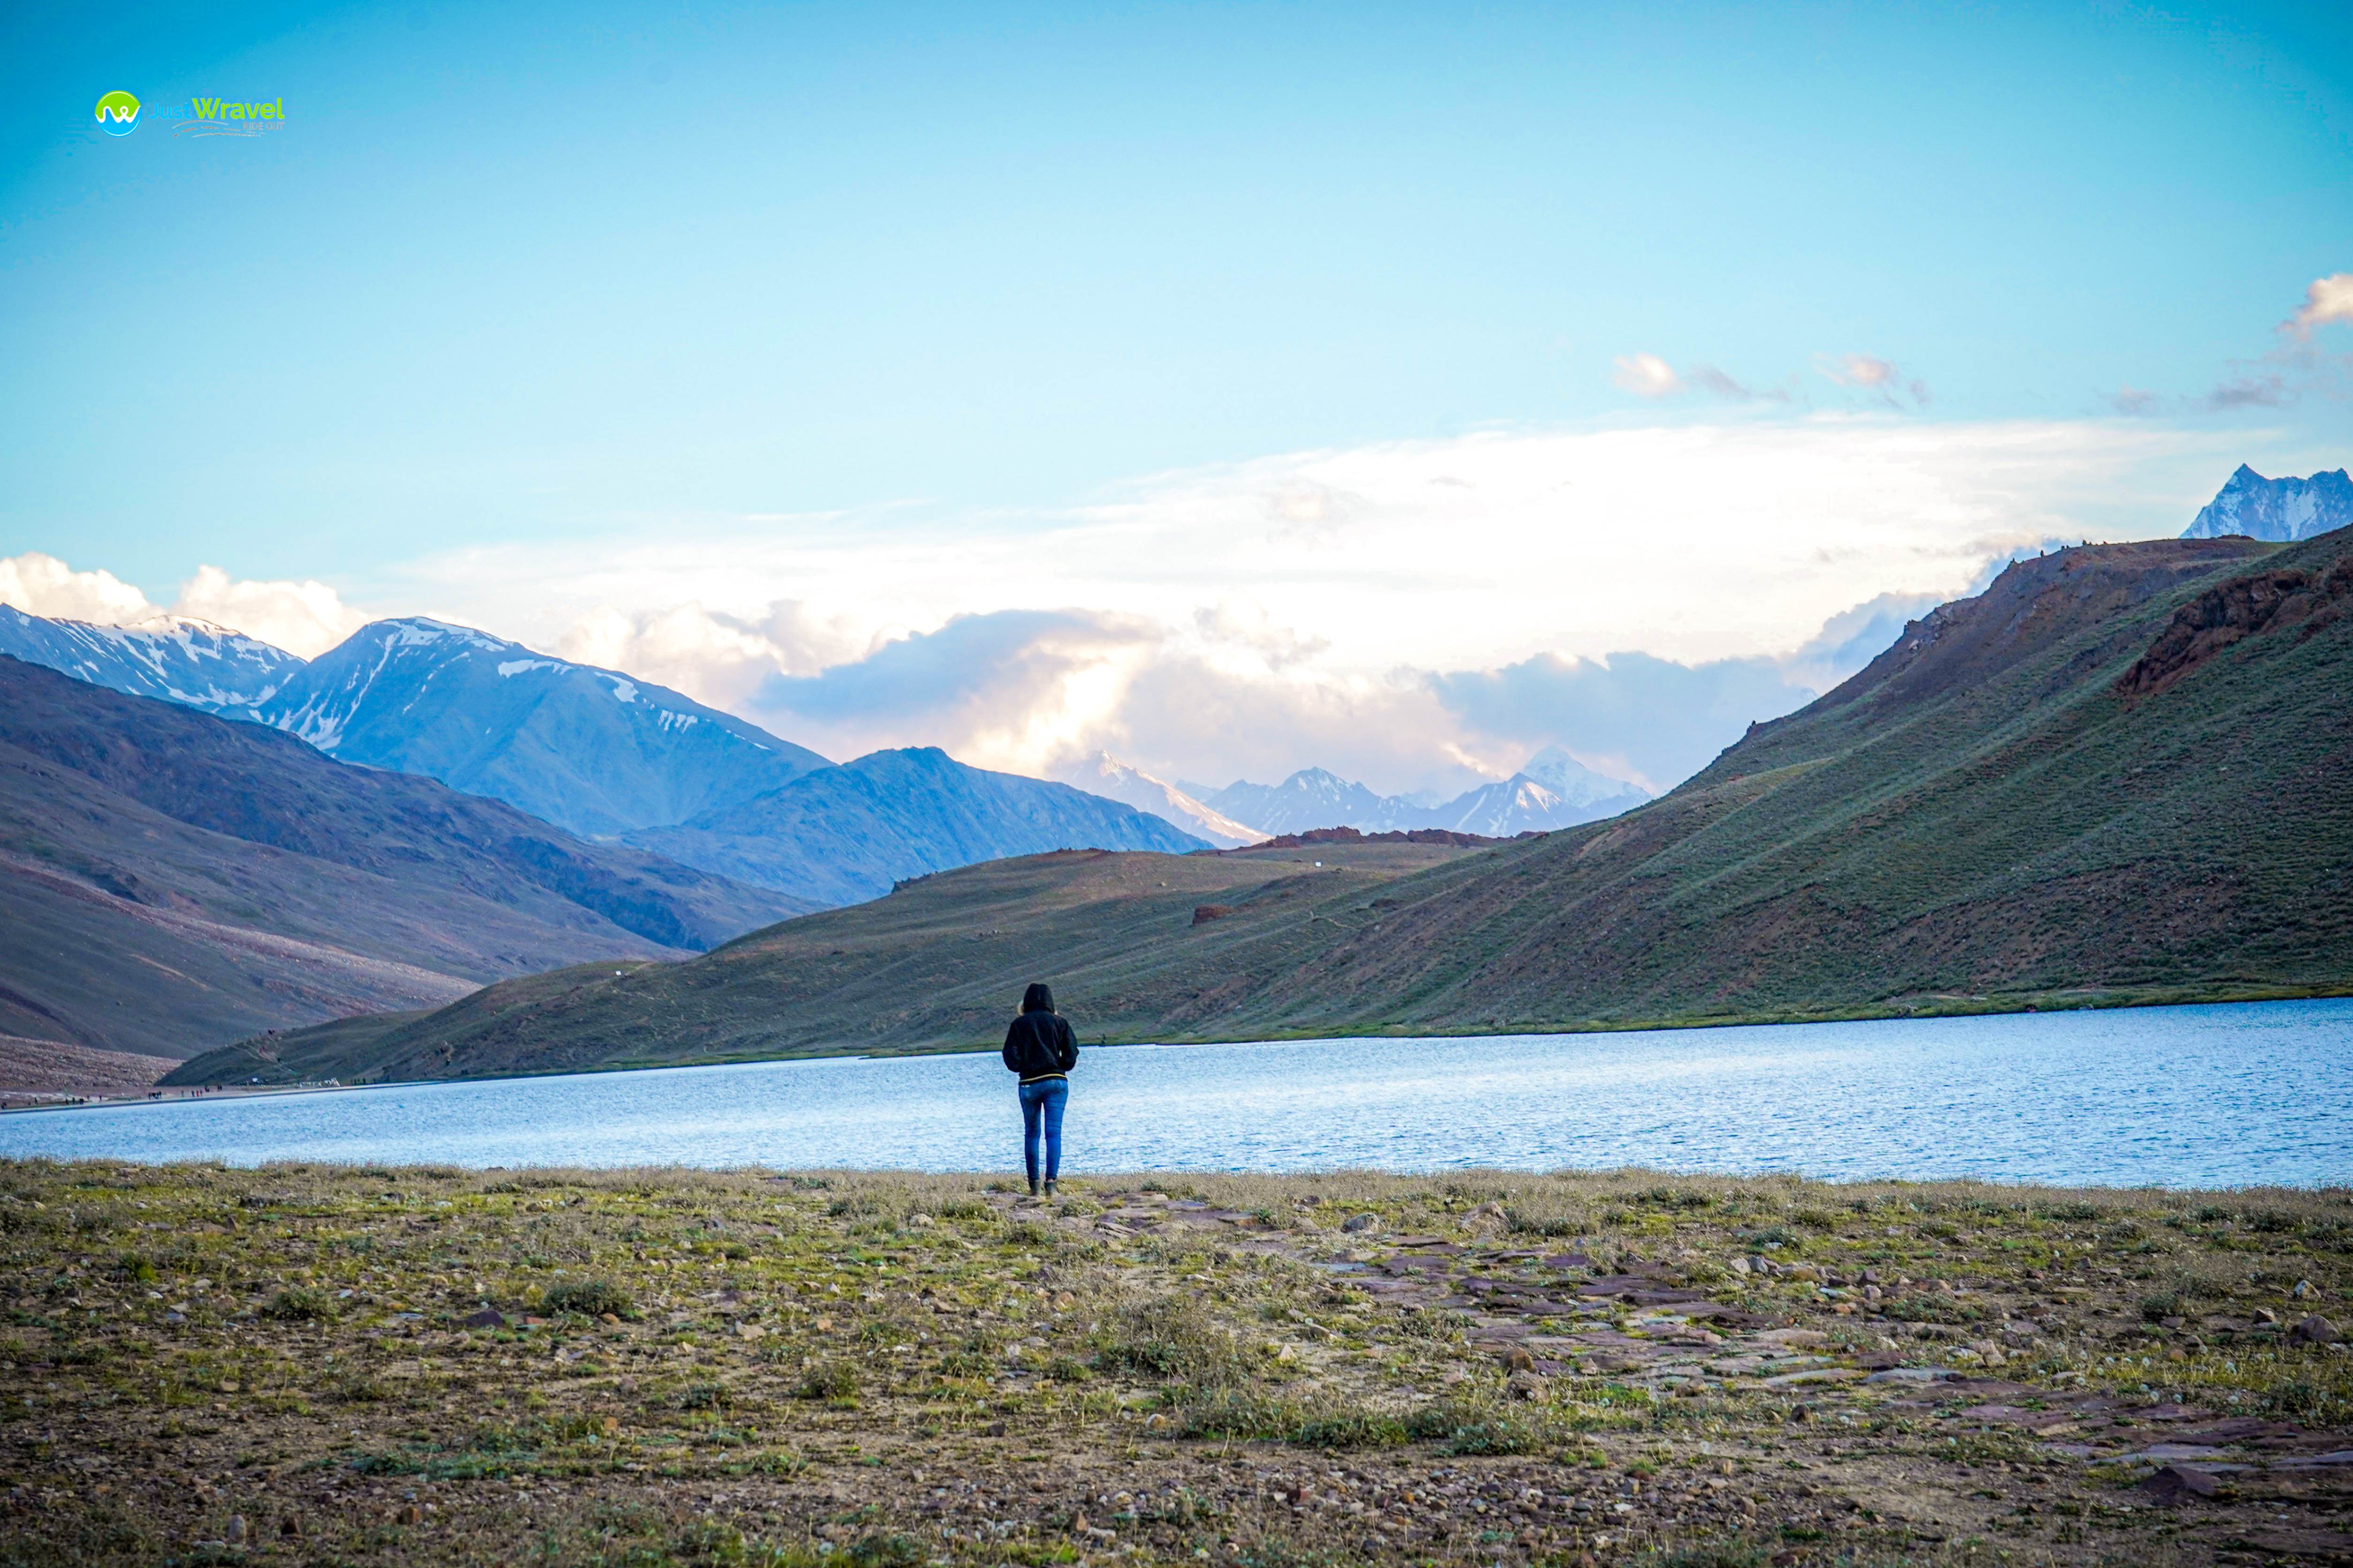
[[2243, 1094]]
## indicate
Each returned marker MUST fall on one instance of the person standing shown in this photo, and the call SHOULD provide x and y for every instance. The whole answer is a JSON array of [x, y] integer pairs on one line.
[[1040, 1047]]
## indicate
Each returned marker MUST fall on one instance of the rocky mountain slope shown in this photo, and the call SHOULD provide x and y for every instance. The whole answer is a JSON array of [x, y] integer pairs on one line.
[[2117, 774], [173, 880], [606, 755], [174, 657], [841, 835], [589, 749], [2284, 510]]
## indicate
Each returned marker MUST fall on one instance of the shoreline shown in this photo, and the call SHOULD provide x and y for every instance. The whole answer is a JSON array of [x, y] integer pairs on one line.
[[1955, 1006]]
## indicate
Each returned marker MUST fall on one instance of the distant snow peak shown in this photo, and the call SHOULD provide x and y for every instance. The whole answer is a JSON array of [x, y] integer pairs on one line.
[[1105, 775], [2284, 510], [514, 666], [1575, 783], [1553, 791]]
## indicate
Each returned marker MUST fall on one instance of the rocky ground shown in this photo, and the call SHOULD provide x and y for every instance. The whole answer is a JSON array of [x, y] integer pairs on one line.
[[362, 1365]]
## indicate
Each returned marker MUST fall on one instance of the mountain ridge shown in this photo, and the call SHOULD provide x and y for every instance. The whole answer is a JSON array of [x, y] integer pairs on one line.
[[176, 878], [1990, 815], [889, 800], [594, 750]]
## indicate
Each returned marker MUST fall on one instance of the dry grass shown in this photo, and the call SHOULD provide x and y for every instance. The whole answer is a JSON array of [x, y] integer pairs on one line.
[[204, 1364]]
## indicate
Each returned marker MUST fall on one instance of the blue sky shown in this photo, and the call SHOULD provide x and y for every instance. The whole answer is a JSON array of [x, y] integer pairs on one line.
[[515, 288]]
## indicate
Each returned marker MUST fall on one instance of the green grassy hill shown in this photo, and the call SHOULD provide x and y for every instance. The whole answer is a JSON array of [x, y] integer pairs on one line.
[[2119, 774]]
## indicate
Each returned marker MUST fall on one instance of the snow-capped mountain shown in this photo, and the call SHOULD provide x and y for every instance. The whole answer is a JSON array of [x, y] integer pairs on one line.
[[602, 753], [1308, 798], [1105, 775], [1553, 791], [587, 748], [1579, 788], [2284, 508], [175, 658]]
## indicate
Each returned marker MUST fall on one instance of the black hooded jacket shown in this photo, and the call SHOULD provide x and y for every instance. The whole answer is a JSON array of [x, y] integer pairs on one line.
[[1039, 1044]]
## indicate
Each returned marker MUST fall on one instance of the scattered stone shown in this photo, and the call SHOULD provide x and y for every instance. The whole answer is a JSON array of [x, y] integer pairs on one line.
[[1526, 1383], [488, 1317], [1358, 1224], [2315, 1330], [236, 1532], [2174, 1484]]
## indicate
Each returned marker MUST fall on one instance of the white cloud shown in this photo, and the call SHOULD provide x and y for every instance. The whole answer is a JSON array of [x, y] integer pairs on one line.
[[2329, 299], [1877, 376], [1171, 624], [306, 618], [43, 585], [1646, 376]]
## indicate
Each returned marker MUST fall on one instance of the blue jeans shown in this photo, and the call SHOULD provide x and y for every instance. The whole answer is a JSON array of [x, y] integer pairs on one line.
[[1043, 1100]]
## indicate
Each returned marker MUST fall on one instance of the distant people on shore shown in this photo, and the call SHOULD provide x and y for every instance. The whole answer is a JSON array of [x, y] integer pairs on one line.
[[1040, 1047]]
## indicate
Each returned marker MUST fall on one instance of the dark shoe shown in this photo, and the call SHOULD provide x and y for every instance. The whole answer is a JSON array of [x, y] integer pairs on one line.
[[1033, 1189], [1049, 1187]]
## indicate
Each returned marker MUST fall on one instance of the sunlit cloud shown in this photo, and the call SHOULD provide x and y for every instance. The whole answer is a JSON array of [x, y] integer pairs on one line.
[[1645, 375], [43, 585], [1887, 384], [2328, 300], [306, 618], [1423, 613]]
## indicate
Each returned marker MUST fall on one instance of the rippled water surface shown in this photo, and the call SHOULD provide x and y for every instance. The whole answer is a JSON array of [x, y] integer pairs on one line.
[[2233, 1095]]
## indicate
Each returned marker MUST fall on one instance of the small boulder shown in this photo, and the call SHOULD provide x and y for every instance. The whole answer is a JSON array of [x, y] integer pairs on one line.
[[237, 1533], [1527, 1383], [1358, 1224], [2315, 1330], [2177, 1484], [488, 1317]]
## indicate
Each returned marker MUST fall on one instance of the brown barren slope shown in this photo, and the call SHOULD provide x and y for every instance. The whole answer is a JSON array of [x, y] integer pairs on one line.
[[169, 880]]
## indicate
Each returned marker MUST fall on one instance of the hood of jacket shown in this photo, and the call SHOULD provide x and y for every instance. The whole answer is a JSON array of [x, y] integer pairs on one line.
[[1037, 999]]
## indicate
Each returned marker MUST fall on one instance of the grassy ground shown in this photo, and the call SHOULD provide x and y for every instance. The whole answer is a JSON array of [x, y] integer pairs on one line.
[[360, 1366]]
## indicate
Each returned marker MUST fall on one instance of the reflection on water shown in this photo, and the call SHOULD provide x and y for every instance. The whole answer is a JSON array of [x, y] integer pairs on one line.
[[2219, 1096]]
